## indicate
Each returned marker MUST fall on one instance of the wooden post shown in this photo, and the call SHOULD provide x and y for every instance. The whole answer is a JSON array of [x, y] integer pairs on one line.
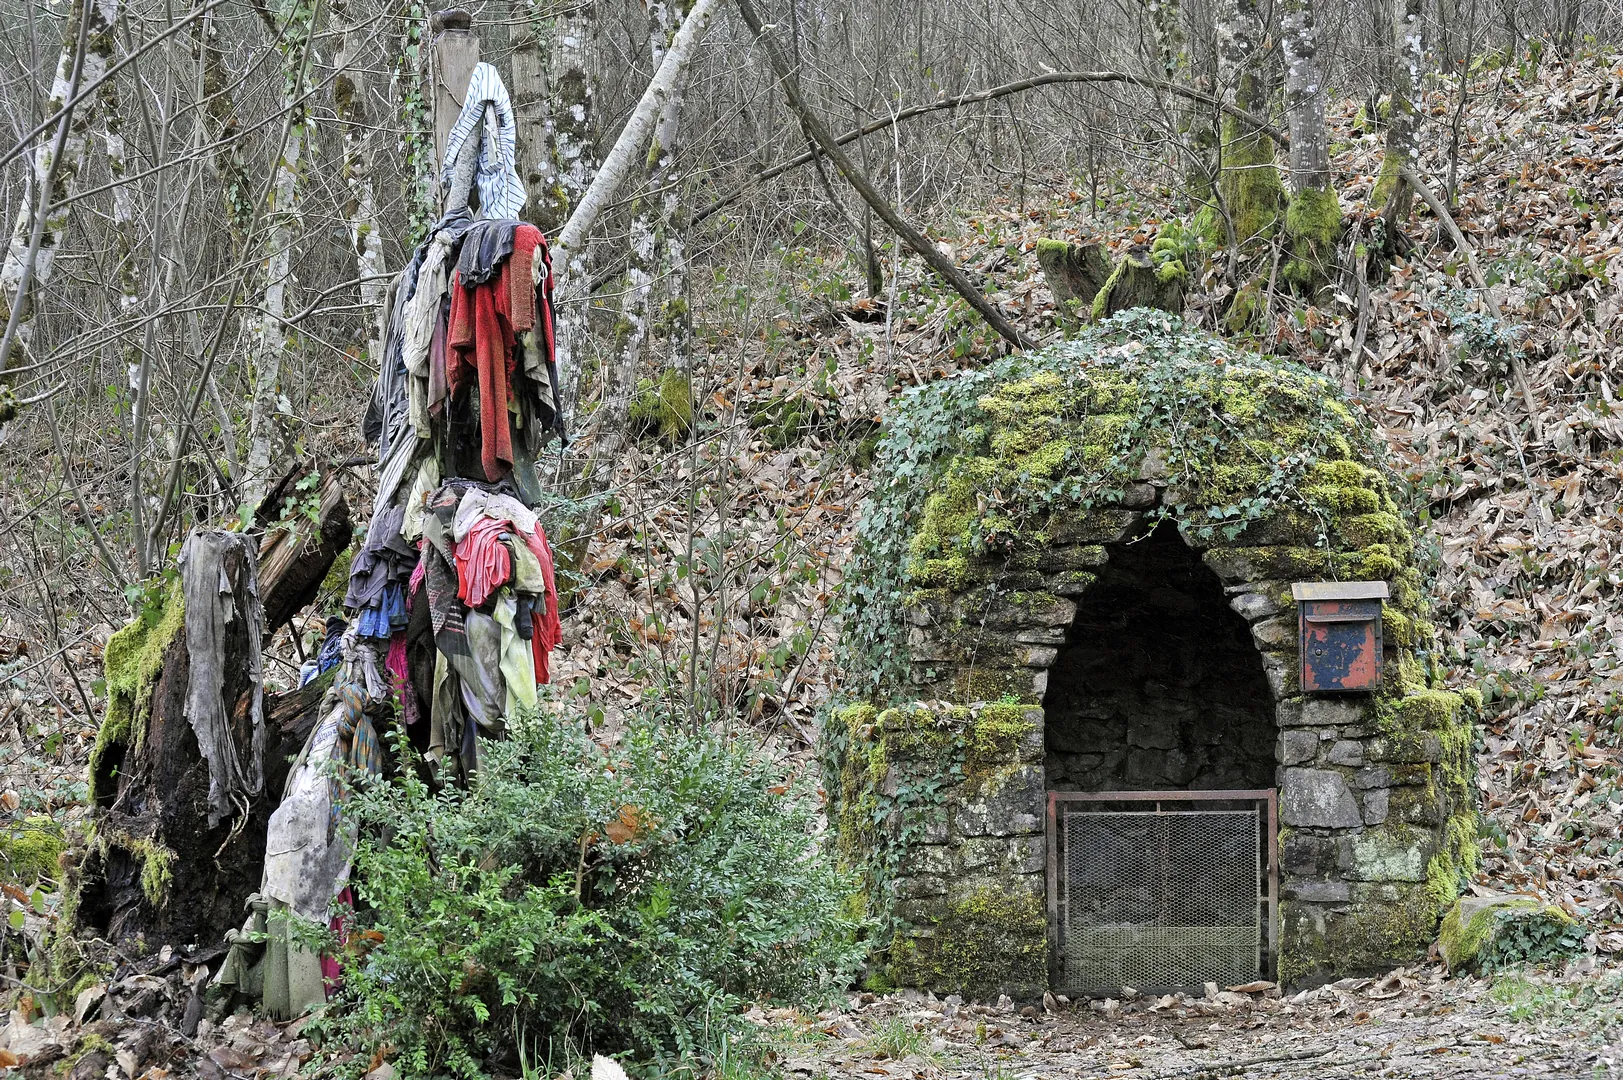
[[453, 53]]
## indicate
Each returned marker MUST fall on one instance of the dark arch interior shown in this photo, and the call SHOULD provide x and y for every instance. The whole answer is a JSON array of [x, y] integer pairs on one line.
[[1158, 686]]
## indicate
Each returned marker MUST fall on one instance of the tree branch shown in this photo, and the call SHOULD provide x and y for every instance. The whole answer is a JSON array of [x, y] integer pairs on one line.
[[916, 240]]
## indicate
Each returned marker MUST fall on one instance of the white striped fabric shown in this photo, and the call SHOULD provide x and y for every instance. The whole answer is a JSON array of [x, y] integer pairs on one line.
[[501, 190]]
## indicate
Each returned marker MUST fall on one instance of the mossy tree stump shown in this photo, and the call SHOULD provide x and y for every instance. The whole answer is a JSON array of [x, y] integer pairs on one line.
[[155, 866], [1075, 273]]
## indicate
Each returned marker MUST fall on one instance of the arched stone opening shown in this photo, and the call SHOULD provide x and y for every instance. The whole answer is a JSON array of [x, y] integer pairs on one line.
[[1158, 685]]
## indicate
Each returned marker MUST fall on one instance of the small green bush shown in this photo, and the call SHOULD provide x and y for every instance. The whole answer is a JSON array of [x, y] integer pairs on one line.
[[631, 899]]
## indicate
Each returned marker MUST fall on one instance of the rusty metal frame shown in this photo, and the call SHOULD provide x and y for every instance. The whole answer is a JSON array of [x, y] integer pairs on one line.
[[1270, 852]]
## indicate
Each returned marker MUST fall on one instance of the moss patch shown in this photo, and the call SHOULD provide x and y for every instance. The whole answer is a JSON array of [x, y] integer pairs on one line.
[[663, 408], [992, 940], [132, 662], [1488, 935], [1312, 229], [31, 850]]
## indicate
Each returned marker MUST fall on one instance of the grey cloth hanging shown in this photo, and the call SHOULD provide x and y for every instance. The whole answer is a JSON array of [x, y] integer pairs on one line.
[[219, 576], [501, 190]]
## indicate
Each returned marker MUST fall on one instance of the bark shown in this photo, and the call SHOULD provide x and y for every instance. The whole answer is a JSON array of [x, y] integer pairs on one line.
[[1139, 282], [1391, 194], [42, 218], [266, 426], [230, 170], [1313, 220], [650, 240], [1075, 273], [307, 526], [158, 868], [531, 40], [571, 165], [1252, 196], [366, 238]]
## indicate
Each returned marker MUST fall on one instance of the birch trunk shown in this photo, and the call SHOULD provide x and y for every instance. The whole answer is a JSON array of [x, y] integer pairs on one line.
[[349, 101], [531, 37], [1403, 127], [42, 218], [283, 214], [651, 248]]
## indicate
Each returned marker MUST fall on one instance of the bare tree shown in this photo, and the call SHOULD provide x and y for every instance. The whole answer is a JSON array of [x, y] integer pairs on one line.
[[1313, 219]]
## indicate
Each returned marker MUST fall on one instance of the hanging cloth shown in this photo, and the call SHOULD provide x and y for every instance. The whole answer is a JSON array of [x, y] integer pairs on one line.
[[501, 190]]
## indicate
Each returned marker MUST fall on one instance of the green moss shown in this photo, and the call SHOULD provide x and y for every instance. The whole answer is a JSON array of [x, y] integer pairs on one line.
[[991, 940], [31, 850], [1384, 926], [1250, 185], [1312, 229], [664, 408], [132, 662], [1489, 936], [994, 738]]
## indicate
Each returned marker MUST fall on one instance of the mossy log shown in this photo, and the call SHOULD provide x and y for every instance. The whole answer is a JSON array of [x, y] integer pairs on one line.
[[1139, 280], [1075, 273], [297, 550], [154, 865]]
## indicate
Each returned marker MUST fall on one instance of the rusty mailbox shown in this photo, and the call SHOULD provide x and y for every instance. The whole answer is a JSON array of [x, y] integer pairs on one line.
[[1340, 625]]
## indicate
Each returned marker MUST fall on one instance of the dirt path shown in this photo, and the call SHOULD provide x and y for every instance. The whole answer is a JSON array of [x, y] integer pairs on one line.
[[1413, 1024]]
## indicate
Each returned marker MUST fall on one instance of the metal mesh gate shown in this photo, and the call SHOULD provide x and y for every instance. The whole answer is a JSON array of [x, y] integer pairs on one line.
[[1160, 890]]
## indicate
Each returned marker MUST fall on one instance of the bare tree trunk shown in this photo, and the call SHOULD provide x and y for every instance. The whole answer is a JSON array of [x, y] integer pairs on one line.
[[349, 99], [1313, 220], [42, 218], [531, 37], [1391, 194], [1252, 195], [572, 92], [269, 404], [651, 223]]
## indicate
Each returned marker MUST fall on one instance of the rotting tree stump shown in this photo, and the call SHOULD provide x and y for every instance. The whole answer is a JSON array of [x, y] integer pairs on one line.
[[1141, 280], [1075, 273], [162, 864]]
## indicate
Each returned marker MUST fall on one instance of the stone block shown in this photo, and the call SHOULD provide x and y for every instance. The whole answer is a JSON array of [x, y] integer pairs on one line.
[[1329, 711], [1297, 746], [1259, 601], [1376, 804], [1373, 776], [1318, 892], [1042, 635], [1244, 564], [1011, 806], [1486, 933], [1405, 749], [1094, 527], [920, 887], [1039, 656], [1385, 855], [1072, 557], [1305, 855], [1274, 633], [1140, 496], [1280, 670], [927, 859], [1153, 734], [1346, 752], [1003, 855], [1317, 798]]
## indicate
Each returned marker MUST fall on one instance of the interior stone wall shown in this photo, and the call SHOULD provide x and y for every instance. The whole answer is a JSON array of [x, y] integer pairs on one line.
[[1158, 685]]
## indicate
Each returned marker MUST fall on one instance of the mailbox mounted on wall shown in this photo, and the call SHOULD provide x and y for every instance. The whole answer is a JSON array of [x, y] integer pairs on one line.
[[1340, 625]]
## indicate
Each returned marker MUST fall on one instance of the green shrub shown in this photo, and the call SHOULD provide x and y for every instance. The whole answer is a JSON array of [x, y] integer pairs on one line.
[[630, 899]]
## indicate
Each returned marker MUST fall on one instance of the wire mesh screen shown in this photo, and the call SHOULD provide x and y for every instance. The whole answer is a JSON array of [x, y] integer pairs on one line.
[[1159, 898]]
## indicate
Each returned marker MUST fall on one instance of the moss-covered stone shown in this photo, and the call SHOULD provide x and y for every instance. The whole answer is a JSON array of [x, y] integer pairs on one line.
[[31, 850], [1384, 925], [1488, 934], [990, 940]]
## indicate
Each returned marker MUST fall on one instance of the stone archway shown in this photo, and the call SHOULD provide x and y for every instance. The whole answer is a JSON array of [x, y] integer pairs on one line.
[[1158, 685], [1022, 520]]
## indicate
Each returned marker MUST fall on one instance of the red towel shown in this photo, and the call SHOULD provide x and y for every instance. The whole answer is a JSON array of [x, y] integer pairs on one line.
[[483, 563], [521, 281], [481, 340], [547, 630]]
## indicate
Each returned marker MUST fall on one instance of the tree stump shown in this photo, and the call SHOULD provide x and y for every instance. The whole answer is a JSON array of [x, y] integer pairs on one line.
[[1075, 273], [181, 803], [1142, 280]]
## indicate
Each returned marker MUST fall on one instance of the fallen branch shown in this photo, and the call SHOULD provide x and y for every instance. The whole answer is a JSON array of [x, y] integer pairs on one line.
[[914, 239], [1437, 207]]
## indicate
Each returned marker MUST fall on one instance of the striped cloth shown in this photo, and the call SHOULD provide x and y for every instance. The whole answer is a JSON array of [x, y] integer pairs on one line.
[[501, 190]]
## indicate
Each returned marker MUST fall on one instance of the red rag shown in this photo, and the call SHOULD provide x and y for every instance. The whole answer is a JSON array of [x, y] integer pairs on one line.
[[481, 325], [547, 630], [483, 563], [521, 282]]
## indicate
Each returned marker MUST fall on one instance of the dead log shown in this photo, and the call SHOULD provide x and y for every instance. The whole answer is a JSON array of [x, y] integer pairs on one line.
[[1075, 273], [306, 526]]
